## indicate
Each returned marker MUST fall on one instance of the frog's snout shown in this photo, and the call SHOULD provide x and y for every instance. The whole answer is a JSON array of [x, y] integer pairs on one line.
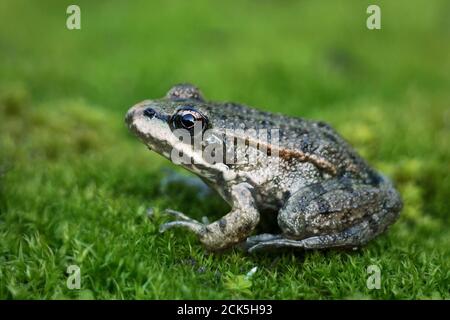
[[132, 113], [129, 116]]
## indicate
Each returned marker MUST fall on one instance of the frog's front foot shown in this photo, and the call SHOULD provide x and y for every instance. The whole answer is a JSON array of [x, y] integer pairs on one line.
[[197, 227], [231, 229], [182, 221], [179, 215]]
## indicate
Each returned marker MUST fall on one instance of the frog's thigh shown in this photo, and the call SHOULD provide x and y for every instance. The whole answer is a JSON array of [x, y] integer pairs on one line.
[[352, 236], [332, 207]]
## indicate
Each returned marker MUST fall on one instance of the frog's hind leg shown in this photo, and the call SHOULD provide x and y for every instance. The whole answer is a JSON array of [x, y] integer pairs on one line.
[[262, 238], [333, 214], [348, 238]]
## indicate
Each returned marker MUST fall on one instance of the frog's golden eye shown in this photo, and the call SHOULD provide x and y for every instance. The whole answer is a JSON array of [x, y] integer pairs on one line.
[[187, 118]]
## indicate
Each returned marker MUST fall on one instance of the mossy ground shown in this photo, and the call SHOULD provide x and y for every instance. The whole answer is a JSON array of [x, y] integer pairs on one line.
[[75, 185]]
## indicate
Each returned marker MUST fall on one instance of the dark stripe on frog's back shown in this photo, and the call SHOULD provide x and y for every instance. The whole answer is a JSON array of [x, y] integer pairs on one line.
[[315, 141]]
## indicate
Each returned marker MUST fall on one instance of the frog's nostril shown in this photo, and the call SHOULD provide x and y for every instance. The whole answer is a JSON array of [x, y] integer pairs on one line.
[[149, 112]]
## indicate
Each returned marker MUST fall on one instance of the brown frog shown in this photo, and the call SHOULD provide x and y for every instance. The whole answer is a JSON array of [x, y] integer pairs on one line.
[[305, 176]]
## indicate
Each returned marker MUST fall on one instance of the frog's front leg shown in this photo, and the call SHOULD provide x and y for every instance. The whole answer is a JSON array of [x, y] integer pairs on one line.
[[231, 229]]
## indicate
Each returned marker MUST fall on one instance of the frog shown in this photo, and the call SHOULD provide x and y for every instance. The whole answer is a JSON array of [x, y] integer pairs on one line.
[[306, 179]]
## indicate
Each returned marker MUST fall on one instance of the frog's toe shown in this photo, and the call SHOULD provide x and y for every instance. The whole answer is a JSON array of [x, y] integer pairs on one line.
[[179, 215], [194, 226], [276, 244], [205, 220], [254, 240]]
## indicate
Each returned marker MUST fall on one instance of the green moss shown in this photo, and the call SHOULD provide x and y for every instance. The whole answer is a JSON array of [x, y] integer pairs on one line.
[[75, 185]]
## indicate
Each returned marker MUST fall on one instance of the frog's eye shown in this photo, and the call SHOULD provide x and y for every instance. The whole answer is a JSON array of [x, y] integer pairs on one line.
[[187, 118]]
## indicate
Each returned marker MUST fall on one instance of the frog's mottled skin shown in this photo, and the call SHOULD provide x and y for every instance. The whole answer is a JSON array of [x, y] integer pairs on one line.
[[323, 195]]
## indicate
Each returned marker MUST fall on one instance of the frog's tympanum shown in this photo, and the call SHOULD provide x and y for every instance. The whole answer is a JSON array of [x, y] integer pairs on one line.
[[298, 173]]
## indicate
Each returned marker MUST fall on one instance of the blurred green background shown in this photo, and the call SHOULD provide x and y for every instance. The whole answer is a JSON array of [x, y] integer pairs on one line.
[[75, 185]]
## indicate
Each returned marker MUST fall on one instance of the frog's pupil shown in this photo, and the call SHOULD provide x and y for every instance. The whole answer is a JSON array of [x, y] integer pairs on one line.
[[188, 120]]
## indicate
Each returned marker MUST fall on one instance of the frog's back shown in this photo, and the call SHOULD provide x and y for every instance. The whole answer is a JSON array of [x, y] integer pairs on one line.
[[299, 139]]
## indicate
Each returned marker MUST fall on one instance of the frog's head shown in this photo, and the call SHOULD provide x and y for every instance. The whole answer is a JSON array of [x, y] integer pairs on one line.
[[160, 123]]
